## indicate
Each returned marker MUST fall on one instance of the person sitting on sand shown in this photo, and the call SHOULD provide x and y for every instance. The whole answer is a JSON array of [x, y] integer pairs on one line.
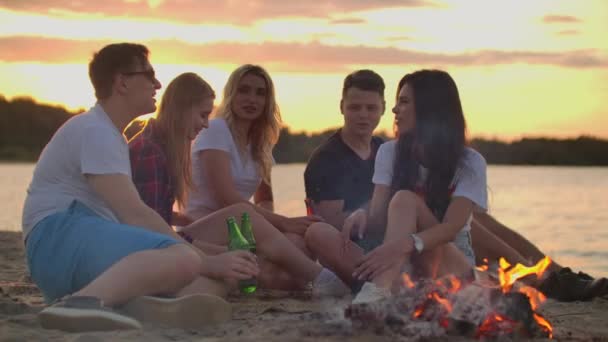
[[338, 176], [91, 243], [231, 163], [427, 185], [338, 180], [161, 166]]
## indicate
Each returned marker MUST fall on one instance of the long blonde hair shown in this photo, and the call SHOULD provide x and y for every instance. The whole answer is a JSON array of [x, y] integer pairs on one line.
[[173, 121], [264, 131]]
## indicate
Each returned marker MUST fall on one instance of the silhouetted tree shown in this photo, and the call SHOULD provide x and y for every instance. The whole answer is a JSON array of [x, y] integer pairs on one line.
[[26, 126]]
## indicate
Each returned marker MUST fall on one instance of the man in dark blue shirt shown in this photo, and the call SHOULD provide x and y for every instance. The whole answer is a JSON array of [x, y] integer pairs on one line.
[[338, 177]]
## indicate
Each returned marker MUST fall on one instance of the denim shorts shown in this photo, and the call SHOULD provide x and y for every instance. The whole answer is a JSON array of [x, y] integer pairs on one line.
[[69, 249], [464, 243]]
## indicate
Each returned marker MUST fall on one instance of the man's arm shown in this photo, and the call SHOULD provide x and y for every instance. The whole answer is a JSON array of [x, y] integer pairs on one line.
[[118, 191]]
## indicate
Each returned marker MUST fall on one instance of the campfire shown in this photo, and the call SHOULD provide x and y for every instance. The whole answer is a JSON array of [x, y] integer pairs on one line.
[[493, 305]]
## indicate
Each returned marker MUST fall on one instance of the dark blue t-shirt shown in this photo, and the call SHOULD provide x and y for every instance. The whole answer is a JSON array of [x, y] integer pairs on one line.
[[336, 172]]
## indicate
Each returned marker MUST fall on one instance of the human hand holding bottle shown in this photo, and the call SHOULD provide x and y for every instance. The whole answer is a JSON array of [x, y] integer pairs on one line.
[[237, 264]]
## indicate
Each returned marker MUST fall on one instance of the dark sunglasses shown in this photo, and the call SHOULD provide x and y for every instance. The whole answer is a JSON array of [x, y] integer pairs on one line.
[[149, 74]]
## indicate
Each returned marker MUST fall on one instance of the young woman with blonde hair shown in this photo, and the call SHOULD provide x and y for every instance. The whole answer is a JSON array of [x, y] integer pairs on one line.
[[232, 160], [160, 162]]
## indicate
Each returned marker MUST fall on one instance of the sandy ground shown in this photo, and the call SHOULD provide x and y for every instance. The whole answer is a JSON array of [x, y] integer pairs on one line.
[[267, 316]]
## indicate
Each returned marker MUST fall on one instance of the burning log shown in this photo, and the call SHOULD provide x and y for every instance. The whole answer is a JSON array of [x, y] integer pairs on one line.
[[431, 309]]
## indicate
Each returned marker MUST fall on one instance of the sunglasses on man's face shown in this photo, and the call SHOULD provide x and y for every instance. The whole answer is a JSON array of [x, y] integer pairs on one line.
[[149, 74]]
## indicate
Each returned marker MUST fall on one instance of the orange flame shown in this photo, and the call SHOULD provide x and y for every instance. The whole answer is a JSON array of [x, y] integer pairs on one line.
[[444, 302], [407, 281], [508, 277], [455, 284], [544, 324], [490, 324], [417, 313], [536, 298], [482, 268]]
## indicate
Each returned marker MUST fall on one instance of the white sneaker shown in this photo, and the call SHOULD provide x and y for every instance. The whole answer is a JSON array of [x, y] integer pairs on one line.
[[327, 284], [371, 293]]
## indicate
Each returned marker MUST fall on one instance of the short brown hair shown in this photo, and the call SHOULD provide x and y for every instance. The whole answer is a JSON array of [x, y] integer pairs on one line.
[[111, 60], [364, 79]]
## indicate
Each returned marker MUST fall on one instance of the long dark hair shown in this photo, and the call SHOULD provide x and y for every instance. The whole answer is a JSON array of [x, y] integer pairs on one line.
[[436, 141]]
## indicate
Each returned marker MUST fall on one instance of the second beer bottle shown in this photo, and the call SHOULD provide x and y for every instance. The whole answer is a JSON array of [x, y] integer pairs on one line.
[[237, 241]]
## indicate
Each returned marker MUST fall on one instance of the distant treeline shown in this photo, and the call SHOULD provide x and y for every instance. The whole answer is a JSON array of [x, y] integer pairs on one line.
[[26, 126]]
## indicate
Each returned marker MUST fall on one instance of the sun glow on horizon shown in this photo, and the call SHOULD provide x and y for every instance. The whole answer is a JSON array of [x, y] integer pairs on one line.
[[522, 68]]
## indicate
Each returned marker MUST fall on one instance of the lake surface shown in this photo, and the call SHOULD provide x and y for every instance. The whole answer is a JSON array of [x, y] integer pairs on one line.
[[564, 210]]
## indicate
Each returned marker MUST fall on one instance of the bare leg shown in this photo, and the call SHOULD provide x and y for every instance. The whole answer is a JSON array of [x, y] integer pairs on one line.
[[515, 240], [207, 286], [271, 243], [272, 276], [150, 272], [326, 242], [490, 247], [407, 213], [401, 221]]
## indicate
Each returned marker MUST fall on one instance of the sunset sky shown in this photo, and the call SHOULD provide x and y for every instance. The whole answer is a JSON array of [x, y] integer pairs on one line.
[[524, 68]]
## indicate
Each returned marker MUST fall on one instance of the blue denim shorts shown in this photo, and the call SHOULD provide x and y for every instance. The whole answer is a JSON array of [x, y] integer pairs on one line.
[[69, 249]]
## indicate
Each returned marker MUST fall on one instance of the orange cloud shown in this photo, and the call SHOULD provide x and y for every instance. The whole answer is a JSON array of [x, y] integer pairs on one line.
[[350, 21], [552, 19], [569, 33], [292, 57], [208, 11]]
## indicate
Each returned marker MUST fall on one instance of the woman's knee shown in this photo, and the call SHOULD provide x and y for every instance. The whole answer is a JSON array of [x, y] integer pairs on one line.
[[319, 235], [403, 198], [238, 209], [185, 264], [317, 232]]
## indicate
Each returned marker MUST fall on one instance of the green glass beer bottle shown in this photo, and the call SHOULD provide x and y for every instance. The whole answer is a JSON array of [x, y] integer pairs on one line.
[[237, 241], [247, 231]]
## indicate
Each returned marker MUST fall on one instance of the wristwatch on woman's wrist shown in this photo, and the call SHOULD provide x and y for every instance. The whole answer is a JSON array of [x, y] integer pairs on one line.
[[418, 243]]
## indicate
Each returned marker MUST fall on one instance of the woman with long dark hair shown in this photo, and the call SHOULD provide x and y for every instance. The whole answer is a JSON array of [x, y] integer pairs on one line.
[[427, 185]]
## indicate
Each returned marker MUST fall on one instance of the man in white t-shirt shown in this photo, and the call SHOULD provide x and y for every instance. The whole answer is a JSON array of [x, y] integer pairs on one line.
[[91, 241]]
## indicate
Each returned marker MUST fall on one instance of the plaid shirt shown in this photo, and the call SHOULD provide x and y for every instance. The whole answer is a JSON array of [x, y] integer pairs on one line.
[[149, 166]]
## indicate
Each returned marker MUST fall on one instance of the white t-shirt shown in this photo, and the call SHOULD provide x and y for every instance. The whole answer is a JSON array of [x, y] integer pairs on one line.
[[88, 143], [244, 170], [469, 181]]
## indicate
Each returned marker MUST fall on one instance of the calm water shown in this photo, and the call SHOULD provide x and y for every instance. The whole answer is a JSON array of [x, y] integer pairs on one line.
[[564, 210]]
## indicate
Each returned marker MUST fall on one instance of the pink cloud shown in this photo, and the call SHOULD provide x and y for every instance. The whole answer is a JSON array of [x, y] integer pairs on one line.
[[210, 11], [310, 57]]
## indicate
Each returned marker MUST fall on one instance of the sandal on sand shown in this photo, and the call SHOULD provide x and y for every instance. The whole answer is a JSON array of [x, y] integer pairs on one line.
[[83, 313], [186, 312]]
